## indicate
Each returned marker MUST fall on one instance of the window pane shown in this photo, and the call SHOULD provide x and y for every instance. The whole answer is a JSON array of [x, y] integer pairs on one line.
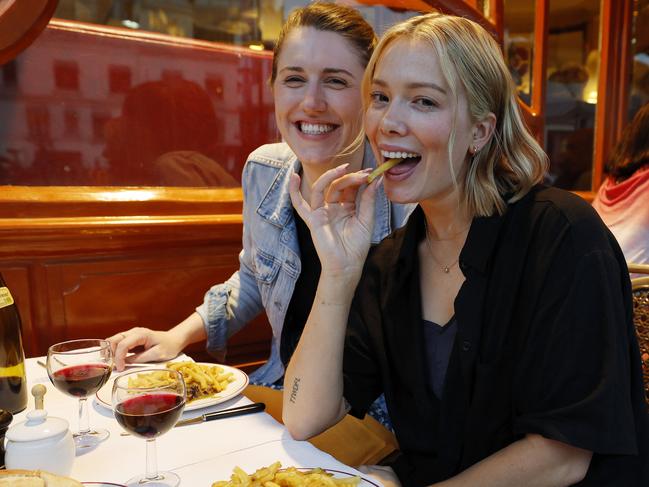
[[90, 105], [639, 92], [572, 71], [239, 22], [519, 44]]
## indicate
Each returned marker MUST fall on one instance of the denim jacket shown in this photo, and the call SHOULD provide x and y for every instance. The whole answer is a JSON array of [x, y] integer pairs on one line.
[[270, 259]]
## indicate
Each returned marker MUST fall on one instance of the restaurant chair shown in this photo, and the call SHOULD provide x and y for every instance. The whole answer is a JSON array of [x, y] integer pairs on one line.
[[353, 441], [640, 290]]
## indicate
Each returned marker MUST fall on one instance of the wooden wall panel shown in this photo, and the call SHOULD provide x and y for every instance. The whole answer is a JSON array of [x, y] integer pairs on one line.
[[156, 289], [108, 265], [97, 296]]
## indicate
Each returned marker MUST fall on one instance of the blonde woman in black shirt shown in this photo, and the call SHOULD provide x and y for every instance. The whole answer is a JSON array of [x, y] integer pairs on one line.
[[498, 321]]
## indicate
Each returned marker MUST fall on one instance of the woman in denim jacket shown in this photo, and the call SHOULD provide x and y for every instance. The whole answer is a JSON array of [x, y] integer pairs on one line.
[[318, 112], [270, 260]]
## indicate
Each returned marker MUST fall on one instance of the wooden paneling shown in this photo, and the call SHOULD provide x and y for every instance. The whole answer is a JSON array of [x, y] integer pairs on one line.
[[120, 261], [613, 82]]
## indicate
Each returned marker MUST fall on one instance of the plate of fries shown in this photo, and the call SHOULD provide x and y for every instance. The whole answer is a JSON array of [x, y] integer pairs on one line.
[[207, 384], [276, 476]]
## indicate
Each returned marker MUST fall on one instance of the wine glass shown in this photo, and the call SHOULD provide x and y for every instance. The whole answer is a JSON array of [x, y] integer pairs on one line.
[[79, 368], [148, 404]]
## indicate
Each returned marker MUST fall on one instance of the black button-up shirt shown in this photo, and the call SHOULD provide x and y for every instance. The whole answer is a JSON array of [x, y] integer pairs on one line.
[[545, 344]]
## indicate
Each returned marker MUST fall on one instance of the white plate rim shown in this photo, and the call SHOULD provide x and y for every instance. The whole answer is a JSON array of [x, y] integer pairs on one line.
[[234, 388], [370, 483]]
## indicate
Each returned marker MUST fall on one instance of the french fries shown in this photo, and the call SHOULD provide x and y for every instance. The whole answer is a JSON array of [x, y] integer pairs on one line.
[[201, 380], [389, 164], [275, 476]]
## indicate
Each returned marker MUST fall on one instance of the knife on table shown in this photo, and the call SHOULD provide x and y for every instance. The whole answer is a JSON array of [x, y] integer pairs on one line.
[[226, 413]]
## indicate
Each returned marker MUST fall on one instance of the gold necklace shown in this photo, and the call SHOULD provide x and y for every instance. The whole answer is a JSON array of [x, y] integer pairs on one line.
[[445, 268]]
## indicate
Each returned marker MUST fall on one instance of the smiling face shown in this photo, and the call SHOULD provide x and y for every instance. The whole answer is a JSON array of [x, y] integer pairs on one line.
[[411, 114], [317, 95]]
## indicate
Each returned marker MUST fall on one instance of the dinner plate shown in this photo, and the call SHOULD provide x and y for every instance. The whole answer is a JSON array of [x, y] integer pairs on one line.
[[341, 474], [233, 389]]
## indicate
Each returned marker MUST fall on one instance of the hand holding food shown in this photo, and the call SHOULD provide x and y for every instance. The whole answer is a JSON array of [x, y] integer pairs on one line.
[[340, 219], [387, 165]]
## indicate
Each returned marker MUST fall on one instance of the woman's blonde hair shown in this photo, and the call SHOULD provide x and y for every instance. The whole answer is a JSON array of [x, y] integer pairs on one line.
[[511, 162]]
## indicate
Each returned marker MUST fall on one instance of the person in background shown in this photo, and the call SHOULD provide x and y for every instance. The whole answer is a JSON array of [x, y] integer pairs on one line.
[[166, 135], [318, 66], [623, 199], [498, 320]]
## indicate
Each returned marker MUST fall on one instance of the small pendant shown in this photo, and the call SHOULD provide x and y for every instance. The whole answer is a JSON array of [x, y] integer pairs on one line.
[[446, 269]]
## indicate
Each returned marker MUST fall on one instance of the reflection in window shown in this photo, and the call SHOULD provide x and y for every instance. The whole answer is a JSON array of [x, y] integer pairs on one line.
[[170, 74], [639, 92], [38, 123], [71, 123], [519, 44], [98, 123], [214, 86], [119, 78], [66, 75], [571, 96], [9, 77], [83, 108]]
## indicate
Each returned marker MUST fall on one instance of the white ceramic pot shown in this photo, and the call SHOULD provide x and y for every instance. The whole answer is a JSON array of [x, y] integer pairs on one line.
[[40, 443]]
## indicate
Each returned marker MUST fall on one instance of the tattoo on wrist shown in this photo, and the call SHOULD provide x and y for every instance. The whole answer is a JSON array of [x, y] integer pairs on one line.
[[294, 389]]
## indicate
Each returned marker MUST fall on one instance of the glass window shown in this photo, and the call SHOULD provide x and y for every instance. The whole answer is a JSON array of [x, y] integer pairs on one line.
[[639, 92], [104, 102], [239, 22], [519, 44], [571, 97]]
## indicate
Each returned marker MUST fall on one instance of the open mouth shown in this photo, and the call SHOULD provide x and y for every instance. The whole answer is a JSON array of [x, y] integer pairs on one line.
[[315, 128], [392, 160]]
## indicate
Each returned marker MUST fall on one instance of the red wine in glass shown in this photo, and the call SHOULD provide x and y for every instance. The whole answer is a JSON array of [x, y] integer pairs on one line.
[[81, 380], [79, 368], [148, 404], [150, 415]]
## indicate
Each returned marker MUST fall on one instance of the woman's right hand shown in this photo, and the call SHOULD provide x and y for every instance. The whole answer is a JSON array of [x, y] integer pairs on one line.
[[158, 346], [340, 222]]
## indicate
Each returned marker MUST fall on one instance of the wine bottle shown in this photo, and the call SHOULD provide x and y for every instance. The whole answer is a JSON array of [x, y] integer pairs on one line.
[[13, 383]]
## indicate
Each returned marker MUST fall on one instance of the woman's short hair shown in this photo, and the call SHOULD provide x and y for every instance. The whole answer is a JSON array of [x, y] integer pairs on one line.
[[632, 151], [511, 162], [329, 17]]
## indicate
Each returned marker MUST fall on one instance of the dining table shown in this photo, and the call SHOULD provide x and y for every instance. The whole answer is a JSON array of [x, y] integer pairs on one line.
[[199, 453]]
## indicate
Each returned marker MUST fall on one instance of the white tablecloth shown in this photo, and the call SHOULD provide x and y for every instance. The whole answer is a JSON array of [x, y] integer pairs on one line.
[[200, 453]]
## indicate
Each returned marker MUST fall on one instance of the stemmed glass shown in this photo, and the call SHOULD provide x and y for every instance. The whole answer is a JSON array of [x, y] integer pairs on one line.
[[148, 404], [79, 368]]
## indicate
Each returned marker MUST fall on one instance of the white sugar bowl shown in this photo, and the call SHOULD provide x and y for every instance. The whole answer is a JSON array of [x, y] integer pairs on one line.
[[40, 442]]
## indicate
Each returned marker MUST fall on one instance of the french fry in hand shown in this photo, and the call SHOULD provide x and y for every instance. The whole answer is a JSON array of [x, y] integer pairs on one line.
[[389, 164]]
